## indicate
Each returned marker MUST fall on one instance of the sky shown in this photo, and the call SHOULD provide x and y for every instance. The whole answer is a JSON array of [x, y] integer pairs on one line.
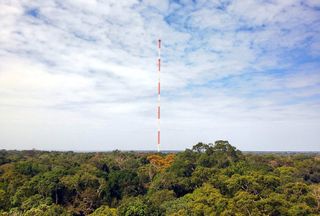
[[81, 74]]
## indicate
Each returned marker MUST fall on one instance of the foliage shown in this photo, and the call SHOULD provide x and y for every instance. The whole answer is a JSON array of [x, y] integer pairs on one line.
[[208, 179], [104, 211]]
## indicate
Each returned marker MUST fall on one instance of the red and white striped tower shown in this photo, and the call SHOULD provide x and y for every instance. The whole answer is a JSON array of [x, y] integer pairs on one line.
[[159, 64]]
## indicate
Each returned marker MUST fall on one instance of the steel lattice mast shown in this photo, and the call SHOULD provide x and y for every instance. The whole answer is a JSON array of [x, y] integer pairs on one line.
[[159, 66]]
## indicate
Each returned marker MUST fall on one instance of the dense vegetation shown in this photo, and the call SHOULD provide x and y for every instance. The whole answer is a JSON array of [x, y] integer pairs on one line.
[[209, 179]]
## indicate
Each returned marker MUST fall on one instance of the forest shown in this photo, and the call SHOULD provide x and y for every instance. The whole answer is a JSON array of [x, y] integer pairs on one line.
[[208, 179]]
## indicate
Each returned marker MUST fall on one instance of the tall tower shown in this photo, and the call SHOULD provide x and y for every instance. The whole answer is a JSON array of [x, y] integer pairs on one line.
[[159, 66]]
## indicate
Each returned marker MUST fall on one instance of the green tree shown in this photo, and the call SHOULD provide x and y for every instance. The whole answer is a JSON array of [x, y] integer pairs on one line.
[[274, 205], [104, 211], [137, 206], [243, 203], [205, 200]]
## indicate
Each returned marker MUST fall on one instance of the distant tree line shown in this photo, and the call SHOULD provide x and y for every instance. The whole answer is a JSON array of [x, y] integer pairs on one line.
[[209, 179]]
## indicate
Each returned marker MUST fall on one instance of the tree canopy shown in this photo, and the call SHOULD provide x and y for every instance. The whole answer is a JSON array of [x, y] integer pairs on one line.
[[208, 179]]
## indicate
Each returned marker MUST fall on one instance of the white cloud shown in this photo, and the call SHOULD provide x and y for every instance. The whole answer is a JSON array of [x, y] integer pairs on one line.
[[24, 83]]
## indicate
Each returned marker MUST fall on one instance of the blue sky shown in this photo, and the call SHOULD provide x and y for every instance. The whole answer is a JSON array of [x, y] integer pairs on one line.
[[81, 74]]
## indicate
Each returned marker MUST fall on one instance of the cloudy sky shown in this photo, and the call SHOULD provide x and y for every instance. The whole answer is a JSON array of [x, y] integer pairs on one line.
[[81, 74]]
